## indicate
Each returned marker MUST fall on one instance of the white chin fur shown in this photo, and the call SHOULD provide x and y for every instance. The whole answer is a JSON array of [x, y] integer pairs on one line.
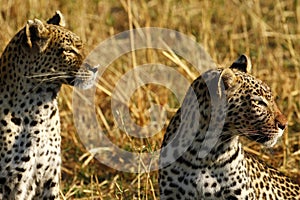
[[272, 142], [280, 132]]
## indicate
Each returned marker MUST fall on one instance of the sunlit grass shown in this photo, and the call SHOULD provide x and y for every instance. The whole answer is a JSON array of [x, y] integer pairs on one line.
[[268, 31]]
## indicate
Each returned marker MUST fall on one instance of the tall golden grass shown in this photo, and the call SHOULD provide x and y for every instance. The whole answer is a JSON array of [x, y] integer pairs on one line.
[[268, 31]]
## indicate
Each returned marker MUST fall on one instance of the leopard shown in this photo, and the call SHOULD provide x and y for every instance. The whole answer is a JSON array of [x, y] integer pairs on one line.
[[38, 60], [202, 156]]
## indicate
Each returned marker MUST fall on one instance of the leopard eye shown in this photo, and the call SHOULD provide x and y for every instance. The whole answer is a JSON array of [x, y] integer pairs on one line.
[[70, 51], [260, 102]]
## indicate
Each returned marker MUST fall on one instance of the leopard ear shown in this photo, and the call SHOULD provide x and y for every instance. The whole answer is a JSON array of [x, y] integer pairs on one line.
[[243, 64], [57, 19], [227, 81], [37, 36], [228, 78]]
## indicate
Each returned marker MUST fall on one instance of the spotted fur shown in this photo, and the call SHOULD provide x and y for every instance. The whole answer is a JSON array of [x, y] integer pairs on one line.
[[201, 156], [34, 65]]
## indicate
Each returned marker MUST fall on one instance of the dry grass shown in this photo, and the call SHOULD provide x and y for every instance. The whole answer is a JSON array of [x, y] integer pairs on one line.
[[268, 31]]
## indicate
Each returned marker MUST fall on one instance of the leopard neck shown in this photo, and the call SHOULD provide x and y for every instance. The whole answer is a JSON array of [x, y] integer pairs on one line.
[[14, 82], [211, 142], [206, 151]]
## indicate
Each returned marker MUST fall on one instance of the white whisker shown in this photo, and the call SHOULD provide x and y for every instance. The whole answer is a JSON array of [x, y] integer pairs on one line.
[[47, 74]]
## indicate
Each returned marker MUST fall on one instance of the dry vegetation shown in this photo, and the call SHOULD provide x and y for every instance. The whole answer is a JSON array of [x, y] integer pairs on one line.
[[268, 31]]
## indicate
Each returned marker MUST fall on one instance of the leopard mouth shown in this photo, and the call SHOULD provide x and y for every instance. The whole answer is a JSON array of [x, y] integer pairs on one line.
[[262, 138], [267, 139], [85, 77]]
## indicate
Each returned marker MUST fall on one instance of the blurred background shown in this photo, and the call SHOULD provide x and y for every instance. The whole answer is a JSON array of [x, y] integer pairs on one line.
[[267, 31]]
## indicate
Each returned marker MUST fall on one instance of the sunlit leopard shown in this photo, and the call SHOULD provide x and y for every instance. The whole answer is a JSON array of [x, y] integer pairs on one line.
[[201, 156], [34, 65]]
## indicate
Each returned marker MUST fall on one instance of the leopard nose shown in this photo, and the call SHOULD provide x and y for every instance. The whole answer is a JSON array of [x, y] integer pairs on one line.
[[281, 126], [91, 68], [94, 70], [281, 121]]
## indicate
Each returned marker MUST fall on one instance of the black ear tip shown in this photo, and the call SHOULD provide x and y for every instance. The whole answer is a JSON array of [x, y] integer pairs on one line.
[[57, 19], [243, 58], [242, 64]]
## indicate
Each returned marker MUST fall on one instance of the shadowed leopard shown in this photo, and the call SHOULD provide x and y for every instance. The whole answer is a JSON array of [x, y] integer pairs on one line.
[[201, 156], [34, 65]]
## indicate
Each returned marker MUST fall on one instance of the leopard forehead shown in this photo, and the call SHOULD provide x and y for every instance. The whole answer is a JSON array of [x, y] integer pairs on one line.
[[245, 84], [58, 39], [63, 36], [251, 85]]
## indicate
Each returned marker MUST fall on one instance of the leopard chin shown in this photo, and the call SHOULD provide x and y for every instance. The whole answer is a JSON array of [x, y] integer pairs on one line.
[[273, 138]]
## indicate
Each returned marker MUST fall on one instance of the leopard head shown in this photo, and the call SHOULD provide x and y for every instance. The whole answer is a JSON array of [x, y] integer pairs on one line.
[[48, 53], [252, 111]]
